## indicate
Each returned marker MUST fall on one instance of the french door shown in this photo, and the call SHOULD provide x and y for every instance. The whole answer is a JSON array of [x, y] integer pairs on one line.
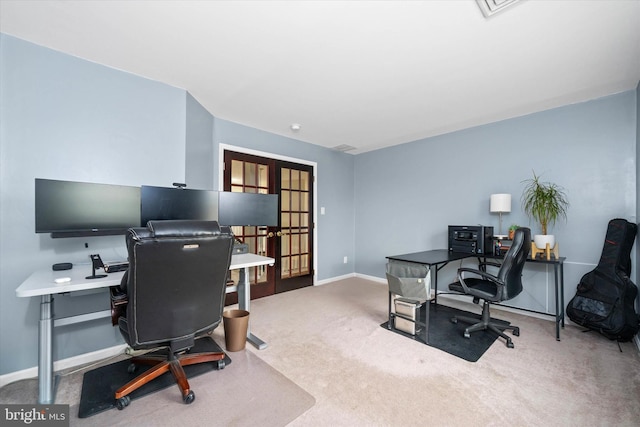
[[291, 242]]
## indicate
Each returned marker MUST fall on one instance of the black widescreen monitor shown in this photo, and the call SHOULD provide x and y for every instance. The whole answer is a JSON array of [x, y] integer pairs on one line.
[[164, 203], [248, 209], [73, 209]]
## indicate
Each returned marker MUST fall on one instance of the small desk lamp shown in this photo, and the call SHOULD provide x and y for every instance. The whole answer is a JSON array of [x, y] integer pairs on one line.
[[500, 203]]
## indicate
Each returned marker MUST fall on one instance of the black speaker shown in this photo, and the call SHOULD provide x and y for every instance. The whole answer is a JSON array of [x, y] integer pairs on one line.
[[62, 266]]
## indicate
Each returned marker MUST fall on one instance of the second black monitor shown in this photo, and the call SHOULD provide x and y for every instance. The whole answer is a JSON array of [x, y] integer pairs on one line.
[[163, 203]]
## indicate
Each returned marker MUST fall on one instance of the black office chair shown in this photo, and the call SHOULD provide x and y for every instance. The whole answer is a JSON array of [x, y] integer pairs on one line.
[[505, 285], [174, 291]]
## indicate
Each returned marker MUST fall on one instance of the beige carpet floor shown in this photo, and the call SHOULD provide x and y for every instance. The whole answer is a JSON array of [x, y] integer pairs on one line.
[[327, 339], [327, 342], [239, 395]]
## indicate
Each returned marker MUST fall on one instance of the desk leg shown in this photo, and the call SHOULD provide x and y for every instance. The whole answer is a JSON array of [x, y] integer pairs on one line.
[[559, 315], [46, 384], [434, 273], [562, 306], [244, 303]]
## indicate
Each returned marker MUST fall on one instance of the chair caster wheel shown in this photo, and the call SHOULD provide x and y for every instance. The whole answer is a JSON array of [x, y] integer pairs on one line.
[[131, 368], [467, 334], [189, 397], [516, 332], [221, 364], [454, 320], [510, 344], [123, 402]]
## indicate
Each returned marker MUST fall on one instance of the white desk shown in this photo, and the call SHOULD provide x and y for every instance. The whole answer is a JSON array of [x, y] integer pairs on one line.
[[42, 283]]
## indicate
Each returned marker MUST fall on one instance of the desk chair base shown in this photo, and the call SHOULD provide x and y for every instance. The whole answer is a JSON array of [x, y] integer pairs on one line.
[[486, 323], [162, 364]]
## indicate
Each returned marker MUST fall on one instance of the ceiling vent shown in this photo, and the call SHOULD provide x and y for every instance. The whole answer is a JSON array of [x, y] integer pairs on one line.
[[491, 7], [344, 148]]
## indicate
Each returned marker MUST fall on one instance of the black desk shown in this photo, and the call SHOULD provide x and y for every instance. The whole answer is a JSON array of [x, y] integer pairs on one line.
[[438, 258]]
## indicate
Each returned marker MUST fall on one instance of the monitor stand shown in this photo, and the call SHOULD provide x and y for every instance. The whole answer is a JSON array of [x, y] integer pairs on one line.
[[96, 263]]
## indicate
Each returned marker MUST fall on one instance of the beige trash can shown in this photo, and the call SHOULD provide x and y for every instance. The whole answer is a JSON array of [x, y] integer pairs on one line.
[[236, 323]]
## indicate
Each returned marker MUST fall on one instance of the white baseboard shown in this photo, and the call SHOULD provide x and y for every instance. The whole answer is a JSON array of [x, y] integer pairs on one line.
[[372, 278], [333, 279], [60, 365]]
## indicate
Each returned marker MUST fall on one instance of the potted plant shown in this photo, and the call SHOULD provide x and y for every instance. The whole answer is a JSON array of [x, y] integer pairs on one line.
[[545, 202], [512, 230]]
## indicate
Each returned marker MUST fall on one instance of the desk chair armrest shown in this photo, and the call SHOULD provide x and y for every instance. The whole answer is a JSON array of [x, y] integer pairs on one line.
[[119, 301], [483, 274], [483, 264]]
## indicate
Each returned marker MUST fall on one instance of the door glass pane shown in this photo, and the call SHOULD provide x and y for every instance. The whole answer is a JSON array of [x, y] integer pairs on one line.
[[286, 271], [304, 181], [251, 241], [263, 173], [295, 220], [304, 220], [284, 245], [262, 246], [285, 220], [295, 245], [304, 242], [295, 179], [295, 200], [304, 264], [295, 265], [285, 201], [284, 176], [250, 174], [236, 172], [304, 201]]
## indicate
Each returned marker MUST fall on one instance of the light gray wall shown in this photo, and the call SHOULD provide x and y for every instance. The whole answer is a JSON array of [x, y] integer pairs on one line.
[[407, 195]]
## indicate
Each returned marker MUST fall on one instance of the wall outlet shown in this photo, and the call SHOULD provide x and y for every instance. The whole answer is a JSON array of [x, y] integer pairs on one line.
[[345, 260]]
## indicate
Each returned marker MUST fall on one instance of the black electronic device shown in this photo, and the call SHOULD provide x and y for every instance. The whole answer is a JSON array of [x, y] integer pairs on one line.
[[96, 263], [73, 209], [114, 267], [62, 266], [163, 203], [475, 239], [248, 209]]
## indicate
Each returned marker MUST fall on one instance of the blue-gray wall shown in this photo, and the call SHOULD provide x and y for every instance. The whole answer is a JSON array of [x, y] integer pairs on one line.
[[407, 195], [65, 118], [635, 272], [200, 152]]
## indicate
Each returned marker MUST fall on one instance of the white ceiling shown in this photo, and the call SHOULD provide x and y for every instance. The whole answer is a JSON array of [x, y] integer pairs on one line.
[[369, 74]]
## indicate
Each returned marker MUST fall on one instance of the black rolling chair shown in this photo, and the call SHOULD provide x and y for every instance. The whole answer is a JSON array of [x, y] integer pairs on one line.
[[174, 291], [505, 285]]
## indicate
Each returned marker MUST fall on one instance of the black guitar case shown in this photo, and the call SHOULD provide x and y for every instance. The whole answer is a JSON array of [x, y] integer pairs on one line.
[[605, 297]]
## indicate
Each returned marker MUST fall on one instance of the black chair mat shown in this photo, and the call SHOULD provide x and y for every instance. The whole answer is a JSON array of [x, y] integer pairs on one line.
[[449, 337], [99, 385]]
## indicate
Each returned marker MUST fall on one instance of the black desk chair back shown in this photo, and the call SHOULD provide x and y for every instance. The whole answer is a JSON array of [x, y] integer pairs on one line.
[[505, 285], [175, 289]]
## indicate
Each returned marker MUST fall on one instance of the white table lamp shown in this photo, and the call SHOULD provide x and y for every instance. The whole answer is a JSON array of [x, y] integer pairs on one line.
[[500, 203]]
